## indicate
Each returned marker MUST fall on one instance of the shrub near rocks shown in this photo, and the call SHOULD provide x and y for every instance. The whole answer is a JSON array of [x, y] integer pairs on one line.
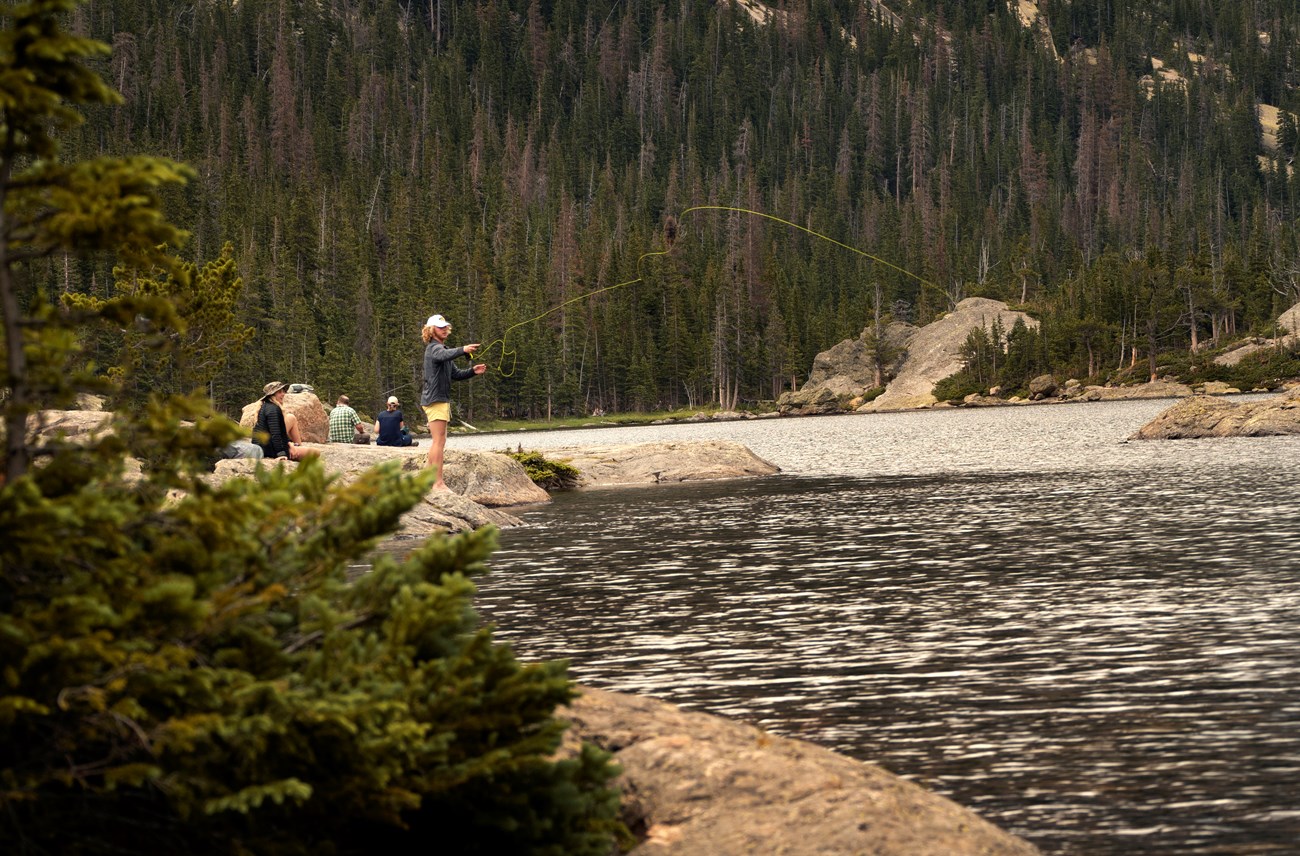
[[547, 474], [956, 387]]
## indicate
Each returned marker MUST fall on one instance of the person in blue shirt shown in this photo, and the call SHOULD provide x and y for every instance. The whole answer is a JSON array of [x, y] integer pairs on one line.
[[390, 426]]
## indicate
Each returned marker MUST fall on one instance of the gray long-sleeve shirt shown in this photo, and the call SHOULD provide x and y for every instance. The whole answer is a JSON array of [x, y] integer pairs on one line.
[[439, 372]]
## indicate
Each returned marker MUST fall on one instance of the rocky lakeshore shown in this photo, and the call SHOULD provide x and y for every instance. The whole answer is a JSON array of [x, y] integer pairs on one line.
[[692, 783], [483, 484], [1202, 416], [854, 375], [701, 785]]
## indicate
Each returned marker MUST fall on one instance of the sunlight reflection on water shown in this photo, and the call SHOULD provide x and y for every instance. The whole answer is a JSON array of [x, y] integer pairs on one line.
[[1090, 642]]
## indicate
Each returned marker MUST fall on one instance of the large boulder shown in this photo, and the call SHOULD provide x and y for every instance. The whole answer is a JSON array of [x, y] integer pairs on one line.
[[934, 353], [849, 368], [1242, 350], [485, 478], [1204, 416], [491, 479], [809, 401], [86, 401], [655, 463], [1290, 321], [1042, 386], [79, 425], [313, 418], [440, 511], [846, 371], [1288, 327], [701, 785]]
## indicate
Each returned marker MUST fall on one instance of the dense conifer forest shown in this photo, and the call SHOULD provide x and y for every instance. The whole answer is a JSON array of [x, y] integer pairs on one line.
[[1122, 171]]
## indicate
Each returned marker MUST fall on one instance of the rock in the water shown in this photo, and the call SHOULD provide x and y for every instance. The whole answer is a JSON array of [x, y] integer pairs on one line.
[[701, 785], [440, 511], [1203, 416], [313, 418], [443, 511], [486, 478], [653, 463]]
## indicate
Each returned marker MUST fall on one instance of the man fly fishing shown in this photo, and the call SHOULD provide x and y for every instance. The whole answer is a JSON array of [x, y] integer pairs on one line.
[[435, 394]]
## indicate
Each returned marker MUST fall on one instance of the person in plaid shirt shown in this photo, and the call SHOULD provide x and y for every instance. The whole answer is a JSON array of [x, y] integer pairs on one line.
[[344, 422]]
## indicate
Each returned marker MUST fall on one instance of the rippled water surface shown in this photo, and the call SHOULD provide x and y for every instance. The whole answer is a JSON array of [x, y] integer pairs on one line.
[[1093, 643]]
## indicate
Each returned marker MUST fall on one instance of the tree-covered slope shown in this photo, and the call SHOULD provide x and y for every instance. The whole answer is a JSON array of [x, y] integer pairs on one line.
[[1102, 164]]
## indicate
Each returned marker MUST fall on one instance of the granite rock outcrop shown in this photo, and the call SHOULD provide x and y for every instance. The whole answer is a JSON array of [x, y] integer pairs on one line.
[[701, 785], [1203, 416]]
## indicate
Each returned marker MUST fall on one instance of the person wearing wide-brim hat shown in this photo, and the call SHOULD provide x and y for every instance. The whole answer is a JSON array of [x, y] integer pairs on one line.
[[435, 394], [276, 431]]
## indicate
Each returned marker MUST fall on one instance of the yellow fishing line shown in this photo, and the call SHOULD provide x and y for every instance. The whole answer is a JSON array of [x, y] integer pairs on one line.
[[513, 355]]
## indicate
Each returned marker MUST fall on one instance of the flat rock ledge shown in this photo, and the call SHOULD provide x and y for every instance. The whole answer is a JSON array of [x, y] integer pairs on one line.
[[659, 463], [1202, 416], [701, 785], [481, 484]]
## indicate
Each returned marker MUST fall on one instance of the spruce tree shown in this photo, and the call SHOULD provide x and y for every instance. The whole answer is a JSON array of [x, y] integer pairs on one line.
[[199, 668]]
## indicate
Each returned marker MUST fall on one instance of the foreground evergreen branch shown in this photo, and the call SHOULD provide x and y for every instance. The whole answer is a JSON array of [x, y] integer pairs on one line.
[[200, 672], [193, 669]]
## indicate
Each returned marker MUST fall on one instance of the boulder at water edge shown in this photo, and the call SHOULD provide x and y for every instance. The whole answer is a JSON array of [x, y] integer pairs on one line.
[[845, 371], [480, 482], [700, 785], [1203, 416], [657, 463]]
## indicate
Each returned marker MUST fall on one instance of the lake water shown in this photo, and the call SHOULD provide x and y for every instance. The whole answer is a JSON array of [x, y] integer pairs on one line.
[[1091, 642]]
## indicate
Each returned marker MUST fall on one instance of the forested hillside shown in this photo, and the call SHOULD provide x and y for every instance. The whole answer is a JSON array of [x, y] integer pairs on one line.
[[1102, 165]]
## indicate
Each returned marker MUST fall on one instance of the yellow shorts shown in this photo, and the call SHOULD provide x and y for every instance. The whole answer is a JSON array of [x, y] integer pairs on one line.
[[439, 411]]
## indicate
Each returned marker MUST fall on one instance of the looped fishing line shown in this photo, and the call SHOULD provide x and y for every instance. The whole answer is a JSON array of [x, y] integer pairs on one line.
[[670, 237]]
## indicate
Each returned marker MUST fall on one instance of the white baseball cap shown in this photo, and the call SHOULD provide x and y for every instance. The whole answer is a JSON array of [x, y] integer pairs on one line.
[[392, 399], [437, 321]]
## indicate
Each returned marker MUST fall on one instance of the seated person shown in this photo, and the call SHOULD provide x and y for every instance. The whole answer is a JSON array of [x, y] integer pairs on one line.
[[390, 426], [276, 431], [344, 422]]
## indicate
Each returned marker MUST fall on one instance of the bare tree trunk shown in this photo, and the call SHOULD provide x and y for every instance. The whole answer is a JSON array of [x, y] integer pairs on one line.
[[17, 454], [1123, 328], [1151, 349], [877, 362]]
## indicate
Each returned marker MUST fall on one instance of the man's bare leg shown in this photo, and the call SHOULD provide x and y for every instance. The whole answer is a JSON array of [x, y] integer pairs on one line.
[[438, 440]]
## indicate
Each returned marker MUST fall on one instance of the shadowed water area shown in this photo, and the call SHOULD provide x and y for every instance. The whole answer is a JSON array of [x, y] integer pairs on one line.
[[1092, 643]]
